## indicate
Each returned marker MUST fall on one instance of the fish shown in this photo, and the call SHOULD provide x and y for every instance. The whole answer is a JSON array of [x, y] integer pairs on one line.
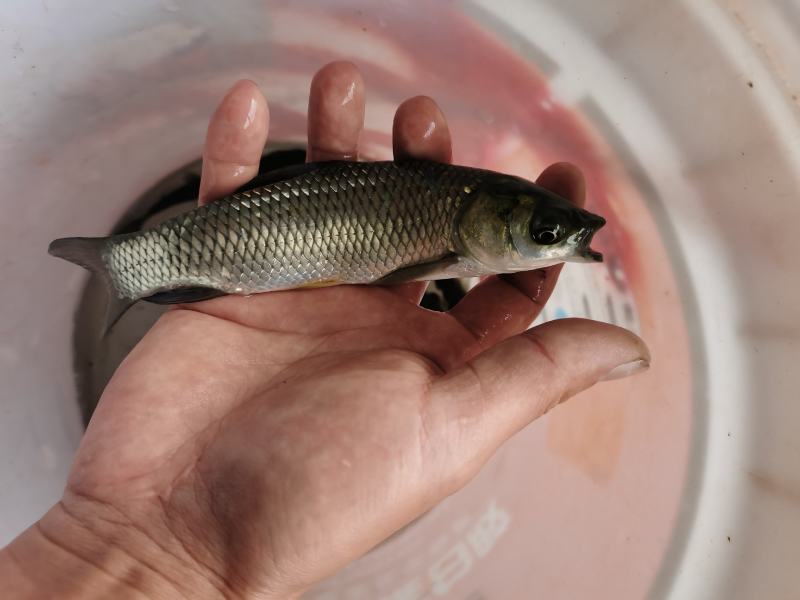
[[338, 222]]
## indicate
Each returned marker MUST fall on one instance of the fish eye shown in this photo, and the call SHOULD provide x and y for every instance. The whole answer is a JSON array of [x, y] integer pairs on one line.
[[547, 234]]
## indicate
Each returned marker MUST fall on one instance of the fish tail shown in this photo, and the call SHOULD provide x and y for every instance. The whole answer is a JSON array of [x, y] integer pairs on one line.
[[88, 253]]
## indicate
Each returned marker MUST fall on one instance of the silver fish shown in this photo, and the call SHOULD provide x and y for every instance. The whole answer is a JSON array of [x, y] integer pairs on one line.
[[333, 223]]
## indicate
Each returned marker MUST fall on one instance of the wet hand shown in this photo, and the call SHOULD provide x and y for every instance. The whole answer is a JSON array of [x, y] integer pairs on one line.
[[254, 446]]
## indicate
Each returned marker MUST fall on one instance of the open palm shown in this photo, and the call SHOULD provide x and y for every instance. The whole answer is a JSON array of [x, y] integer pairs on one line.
[[253, 446]]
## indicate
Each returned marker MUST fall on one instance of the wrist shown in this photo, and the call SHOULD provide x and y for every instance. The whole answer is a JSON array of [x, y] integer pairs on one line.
[[68, 554]]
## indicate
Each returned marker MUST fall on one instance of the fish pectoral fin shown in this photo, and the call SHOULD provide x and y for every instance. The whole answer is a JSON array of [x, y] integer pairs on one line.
[[184, 295], [449, 266]]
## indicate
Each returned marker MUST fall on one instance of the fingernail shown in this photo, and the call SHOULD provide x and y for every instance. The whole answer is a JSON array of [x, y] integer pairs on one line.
[[627, 369]]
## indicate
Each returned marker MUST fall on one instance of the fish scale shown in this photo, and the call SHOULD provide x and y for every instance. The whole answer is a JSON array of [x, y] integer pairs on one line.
[[342, 223]]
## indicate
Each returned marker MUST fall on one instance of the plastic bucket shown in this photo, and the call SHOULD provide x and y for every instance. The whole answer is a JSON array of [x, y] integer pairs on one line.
[[681, 483]]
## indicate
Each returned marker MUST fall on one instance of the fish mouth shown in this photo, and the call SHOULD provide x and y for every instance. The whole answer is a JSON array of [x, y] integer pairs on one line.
[[592, 255], [593, 223]]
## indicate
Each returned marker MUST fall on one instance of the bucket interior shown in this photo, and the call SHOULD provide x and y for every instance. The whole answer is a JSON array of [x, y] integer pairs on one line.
[[685, 122]]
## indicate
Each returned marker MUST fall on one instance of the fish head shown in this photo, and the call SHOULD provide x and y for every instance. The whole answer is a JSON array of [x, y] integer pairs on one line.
[[515, 225]]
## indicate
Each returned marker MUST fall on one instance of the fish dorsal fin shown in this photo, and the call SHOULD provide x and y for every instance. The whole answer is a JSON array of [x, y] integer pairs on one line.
[[284, 174], [449, 266]]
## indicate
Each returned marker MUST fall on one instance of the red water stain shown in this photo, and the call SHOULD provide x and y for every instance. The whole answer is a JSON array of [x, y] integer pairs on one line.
[[780, 488], [588, 431]]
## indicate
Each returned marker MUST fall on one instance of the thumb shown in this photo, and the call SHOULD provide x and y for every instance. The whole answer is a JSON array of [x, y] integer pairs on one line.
[[491, 397]]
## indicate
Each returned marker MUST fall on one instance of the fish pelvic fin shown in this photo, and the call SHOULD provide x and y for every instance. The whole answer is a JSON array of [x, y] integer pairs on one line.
[[88, 253]]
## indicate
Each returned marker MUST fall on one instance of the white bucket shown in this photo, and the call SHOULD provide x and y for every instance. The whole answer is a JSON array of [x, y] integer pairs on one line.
[[682, 483]]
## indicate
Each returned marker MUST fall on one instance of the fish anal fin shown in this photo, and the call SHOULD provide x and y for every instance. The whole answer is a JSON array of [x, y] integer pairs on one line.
[[184, 295], [118, 306]]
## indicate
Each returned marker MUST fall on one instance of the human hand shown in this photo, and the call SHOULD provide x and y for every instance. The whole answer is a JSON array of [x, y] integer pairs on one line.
[[253, 446]]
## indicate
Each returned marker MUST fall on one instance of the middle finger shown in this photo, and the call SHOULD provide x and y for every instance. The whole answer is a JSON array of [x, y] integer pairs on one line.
[[419, 131]]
